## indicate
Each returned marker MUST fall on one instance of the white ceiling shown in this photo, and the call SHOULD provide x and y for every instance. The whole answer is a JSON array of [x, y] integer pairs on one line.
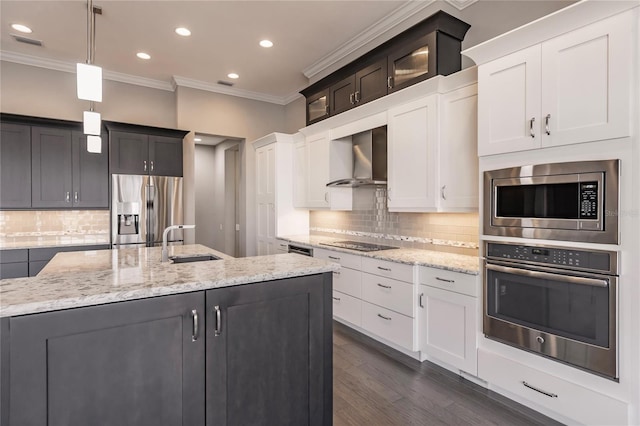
[[310, 37]]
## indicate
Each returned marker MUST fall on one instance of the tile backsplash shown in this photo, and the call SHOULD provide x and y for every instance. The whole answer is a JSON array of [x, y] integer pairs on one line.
[[53, 222], [370, 218]]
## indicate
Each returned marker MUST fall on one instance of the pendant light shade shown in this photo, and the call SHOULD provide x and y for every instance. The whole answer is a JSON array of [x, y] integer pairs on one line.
[[91, 123], [94, 144], [89, 82]]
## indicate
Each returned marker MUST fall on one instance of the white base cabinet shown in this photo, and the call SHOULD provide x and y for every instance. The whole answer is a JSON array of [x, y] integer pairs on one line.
[[448, 318]]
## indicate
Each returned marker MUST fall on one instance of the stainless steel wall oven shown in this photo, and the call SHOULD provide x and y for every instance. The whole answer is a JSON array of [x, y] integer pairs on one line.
[[575, 201], [556, 301]]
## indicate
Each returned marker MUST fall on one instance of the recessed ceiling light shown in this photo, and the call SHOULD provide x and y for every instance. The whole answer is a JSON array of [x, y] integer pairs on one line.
[[266, 43], [21, 28], [183, 31], [233, 75], [197, 140], [143, 55]]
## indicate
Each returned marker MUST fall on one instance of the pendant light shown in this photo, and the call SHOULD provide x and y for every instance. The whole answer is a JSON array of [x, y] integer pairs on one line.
[[90, 84]]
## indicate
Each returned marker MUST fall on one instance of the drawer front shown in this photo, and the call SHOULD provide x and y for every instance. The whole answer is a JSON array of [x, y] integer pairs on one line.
[[49, 252], [573, 401], [14, 270], [13, 256], [392, 294], [397, 271], [348, 281], [347, 308], [447, 280], [347, 260], [389, 325]]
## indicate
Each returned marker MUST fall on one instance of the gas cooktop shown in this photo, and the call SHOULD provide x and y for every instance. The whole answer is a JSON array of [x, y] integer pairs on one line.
[[358, 246]]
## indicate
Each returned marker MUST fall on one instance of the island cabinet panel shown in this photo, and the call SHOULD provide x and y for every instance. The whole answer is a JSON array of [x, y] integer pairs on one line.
[[136, 362], [269, 353]]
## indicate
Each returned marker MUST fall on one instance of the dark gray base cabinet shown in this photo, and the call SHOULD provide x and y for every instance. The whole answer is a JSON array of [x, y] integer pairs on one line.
[[171, 360]]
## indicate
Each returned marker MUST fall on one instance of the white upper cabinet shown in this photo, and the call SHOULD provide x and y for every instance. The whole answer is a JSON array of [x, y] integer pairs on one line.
[[570, 89], [300, 174], [318, 169], [275, 212], [433, 165]]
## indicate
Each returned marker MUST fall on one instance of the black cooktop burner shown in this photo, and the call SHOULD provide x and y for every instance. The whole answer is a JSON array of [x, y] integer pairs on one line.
[[358, 246]]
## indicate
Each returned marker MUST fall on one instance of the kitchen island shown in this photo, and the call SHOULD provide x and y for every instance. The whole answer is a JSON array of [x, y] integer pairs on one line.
[[117, 337]]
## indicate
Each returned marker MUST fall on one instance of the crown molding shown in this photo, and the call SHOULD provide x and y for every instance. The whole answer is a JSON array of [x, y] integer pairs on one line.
[[216, 88], [373, 31], [56, 65], [461, 4]]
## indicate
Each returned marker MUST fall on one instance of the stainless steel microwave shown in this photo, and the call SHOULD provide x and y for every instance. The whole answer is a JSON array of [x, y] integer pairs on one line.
[[575, 201]]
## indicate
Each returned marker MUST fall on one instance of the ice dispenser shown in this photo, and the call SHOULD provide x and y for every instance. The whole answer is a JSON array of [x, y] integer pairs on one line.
[[128, 219]]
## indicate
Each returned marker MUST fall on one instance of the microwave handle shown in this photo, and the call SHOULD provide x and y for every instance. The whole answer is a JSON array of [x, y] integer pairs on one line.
[[546, 275]]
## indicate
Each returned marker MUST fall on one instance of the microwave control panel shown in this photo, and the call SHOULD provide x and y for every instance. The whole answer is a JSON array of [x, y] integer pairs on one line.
[[588, 200]]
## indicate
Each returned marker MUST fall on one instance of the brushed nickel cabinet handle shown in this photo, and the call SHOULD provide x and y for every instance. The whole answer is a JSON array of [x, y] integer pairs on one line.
[[384, 269], [390, 82], [445, 280], [336, 272], [194, 332], [144, 164], [67, 197], [384, 286], [334, 258], [75, 197], [151, 165], [546, 124], [384, 318], [549, 394], [351, 96], [357, 96], [532, 132], [218, 329], [336, 298], [420, 300], [442, 193]]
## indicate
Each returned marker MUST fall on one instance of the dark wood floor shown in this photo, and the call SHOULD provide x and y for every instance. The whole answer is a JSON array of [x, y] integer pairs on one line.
[[376, 385]]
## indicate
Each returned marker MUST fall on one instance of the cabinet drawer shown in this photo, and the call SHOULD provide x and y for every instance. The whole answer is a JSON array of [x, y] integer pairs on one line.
[[348, 281], [397, 271], [14, 270], [573, 401], [447, 280], [347, 308], [389, 325], [13, 256], [347, 260], [388, 293]]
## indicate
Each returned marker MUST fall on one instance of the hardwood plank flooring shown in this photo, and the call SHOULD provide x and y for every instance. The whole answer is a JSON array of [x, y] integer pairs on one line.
[[376, 385]]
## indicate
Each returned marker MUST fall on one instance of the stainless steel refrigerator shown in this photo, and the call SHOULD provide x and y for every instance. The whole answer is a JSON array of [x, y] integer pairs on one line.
[[142, 207]]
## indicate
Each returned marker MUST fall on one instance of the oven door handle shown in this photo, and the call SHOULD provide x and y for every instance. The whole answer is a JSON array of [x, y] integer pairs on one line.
[[546, 275]]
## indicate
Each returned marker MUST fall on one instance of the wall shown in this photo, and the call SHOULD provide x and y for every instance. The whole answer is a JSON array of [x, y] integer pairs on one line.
[[370, 220], [41, 92], [205, 177], [217, 114], [295, 115]]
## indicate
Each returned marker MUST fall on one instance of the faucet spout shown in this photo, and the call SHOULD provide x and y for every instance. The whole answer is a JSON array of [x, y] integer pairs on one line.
[[165, 234]]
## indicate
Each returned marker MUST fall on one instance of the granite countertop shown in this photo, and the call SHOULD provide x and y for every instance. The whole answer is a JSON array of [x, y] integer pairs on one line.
[[434, 259], [57, 240], [89, 278]]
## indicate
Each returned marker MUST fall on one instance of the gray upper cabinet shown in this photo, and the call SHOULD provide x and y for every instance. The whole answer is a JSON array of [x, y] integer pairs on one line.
[[90, 173], [15, 166], [51, 172], [140, 150], [129, 153]]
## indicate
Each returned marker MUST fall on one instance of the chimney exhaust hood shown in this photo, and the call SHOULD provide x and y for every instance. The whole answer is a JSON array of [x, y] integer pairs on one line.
[[369, 160]]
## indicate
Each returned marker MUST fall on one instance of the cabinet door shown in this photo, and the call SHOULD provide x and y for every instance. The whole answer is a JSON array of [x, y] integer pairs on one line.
[[300, 174], [15, 166], [165, 156], [123, 363], [371, 82], [268, 353], [90, 173], [585, 83], [448, 328], [266, 200], [318, 107], [128, 153], [458, 185], [509, 103], [412, 153], [318, 151], [343, 95], [51, 171], [412, 63]]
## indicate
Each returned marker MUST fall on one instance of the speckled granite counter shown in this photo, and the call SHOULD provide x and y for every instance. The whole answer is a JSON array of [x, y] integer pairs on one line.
[[435, 259], [91, 278], [43, 241]]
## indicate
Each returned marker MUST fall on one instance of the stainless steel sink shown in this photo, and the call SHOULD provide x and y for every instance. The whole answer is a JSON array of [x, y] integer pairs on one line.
[[193, 258]]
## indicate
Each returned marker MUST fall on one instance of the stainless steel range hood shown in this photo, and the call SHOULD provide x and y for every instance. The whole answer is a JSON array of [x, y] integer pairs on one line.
[[369, 160]]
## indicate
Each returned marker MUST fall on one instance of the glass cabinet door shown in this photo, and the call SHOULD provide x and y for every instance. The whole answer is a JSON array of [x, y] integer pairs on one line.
[[318, 107], [414, 63]]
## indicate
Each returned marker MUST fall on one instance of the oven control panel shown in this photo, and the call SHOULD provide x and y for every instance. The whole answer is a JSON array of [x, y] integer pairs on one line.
[[553, 256]]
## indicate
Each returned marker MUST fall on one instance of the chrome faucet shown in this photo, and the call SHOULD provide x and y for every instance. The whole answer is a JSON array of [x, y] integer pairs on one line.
[[165, 252]]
